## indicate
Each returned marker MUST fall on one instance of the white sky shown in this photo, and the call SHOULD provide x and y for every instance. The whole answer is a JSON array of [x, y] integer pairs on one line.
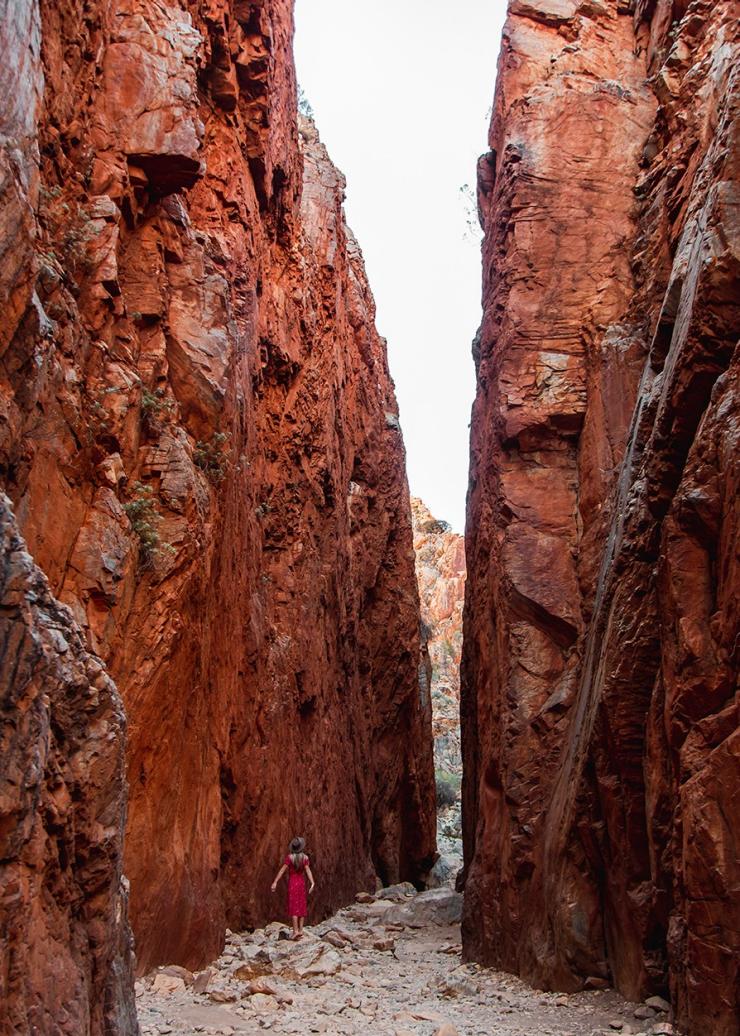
[[401, 91]]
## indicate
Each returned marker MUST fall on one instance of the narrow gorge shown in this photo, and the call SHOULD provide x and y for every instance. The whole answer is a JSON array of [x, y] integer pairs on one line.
[[224, 620]]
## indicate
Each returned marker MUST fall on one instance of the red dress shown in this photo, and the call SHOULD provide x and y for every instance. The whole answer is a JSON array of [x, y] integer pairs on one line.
[[297, 905]]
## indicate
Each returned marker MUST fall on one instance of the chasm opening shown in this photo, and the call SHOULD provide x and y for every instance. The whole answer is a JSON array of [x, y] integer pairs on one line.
[[257, 689]]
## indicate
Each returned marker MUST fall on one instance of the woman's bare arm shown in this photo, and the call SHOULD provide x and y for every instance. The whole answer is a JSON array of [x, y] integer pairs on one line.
[[278, 876], [312, 886]]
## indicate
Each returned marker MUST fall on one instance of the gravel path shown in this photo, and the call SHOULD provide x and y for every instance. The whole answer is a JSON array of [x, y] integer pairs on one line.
[[378, 967]]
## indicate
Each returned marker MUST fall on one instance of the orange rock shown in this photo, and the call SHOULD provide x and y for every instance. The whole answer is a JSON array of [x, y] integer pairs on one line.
[[598, 678], [200, 436], [62, 804]]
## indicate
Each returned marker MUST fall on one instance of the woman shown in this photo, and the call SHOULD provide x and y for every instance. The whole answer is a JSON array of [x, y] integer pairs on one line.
[[298, 867]]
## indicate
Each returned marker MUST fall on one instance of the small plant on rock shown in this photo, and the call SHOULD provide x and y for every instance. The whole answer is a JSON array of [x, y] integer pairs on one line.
[[145, 518], [448, 650], [68, 228], [436, 525], [447, 787], [211, 456], [154, 407], [304, 105], [99, 425]]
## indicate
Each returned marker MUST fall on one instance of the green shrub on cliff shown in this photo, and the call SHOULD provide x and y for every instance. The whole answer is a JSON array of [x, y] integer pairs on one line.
[[211, 458], [448, 788], [145, 518], [154, 407]]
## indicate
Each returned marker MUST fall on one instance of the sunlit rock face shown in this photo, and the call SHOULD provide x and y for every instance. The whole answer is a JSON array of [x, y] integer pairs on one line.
[[440, 573], [200, 437], [600, 725]]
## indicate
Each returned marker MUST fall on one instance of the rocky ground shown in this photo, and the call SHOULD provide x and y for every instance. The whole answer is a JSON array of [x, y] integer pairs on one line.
[[391, 964]]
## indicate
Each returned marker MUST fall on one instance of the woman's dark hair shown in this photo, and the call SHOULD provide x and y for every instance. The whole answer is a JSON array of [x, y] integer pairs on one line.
[[297, 855]]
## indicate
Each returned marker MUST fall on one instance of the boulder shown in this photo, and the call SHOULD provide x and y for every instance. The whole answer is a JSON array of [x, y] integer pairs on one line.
[[322, 963], [397, 892], [167, 984], [442, 906], [264, 1004], [444, 872]]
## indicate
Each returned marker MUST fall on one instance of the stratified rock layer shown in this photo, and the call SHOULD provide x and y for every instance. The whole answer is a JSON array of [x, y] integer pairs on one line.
[[600, 717], [440, 573], [66, 960], [200, 435]]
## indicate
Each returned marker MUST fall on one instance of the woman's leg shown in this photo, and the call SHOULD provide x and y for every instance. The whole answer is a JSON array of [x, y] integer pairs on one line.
[[295, 927], [300, 926]]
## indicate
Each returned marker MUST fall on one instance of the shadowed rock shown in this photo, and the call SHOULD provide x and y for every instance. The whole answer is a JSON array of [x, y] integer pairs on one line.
[[64, 935], [600, 732]]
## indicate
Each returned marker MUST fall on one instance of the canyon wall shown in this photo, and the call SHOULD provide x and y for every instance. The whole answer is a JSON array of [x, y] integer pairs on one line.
[[66, 956], [200, 438], [440, 573], [599, 675]]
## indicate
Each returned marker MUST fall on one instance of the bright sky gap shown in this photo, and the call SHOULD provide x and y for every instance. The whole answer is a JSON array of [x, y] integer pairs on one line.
[[402, 94]]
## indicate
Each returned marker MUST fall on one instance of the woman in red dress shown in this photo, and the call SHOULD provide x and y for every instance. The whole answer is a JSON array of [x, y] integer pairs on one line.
[[298, 866]]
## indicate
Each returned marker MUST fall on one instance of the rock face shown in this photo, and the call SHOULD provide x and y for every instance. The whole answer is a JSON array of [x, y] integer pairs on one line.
[[67, 960], [440, 573], [600, 718], [200, 436]]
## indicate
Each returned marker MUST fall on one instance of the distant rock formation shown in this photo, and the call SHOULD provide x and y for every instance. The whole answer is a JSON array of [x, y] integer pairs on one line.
[[440, 573], [601, 745], [199, 434]]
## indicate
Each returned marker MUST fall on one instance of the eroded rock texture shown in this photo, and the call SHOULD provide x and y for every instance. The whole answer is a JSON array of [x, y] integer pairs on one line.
[[200, 435], [440, 573], [600, 722], [66, 960]]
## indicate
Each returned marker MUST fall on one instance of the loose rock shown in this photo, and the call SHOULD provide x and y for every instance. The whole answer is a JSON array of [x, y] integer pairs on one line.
[[411, 982]]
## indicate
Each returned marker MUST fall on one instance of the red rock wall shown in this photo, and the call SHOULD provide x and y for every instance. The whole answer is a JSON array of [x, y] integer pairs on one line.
[[600, 722], [199, 433], [66, 960]]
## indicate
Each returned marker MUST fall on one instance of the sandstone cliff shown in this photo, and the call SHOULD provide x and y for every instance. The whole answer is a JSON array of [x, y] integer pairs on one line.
[[440, 574], [600, 722], [199, 433], [66, 960]]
